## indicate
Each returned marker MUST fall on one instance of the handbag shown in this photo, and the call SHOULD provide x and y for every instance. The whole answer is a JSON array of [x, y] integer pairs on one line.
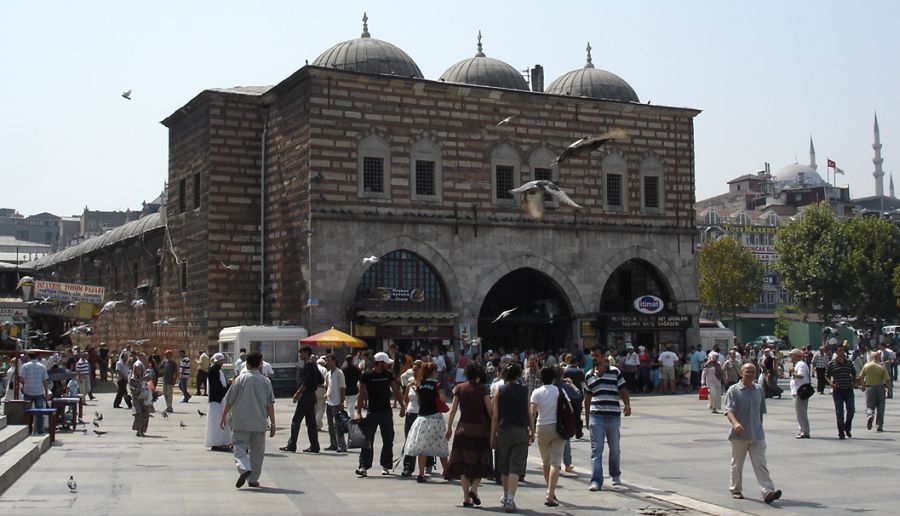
[[565, 417], [805, 391], [356, 437]]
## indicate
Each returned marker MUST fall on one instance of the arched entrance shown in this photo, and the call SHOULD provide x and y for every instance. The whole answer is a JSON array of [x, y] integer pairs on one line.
[[621, 322], [542, 318], [402, 299]]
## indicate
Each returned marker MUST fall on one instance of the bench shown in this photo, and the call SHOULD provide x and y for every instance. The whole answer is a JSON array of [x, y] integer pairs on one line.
[[40, 412], [61, 403]]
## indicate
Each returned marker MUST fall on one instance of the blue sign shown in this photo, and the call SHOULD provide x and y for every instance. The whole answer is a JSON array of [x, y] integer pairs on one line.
[[771, 279], [648, 304]]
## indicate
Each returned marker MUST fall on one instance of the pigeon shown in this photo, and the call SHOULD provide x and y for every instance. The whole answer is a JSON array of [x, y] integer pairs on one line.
[[165, 415], [138, 303], [504, 314], [370, 260], [138, 342], [506, 120], [99, 416], [95, 423], [39, 301], [127, 95], [181, 424], [24, 280], [110, 306], [163, 322], [99, 433], [72, 485], [533, 198], [589, 144], [229, 267], [201, 413]]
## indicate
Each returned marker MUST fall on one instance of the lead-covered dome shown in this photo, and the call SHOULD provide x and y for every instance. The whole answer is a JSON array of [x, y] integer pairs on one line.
[[369, 55], [485, 71], [798, 175], [594, 83]]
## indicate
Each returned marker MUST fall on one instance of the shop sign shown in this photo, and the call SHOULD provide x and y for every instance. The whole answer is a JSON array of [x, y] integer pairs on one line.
[[648, 304], [68, 292], [13, 313], [638, 322], [416, 295], [465, 331]]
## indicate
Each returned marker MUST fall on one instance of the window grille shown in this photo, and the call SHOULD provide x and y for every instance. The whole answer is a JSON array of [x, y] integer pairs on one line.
[[373, 175], [425, 177], [614, 189], [651, 192], [505, 175]]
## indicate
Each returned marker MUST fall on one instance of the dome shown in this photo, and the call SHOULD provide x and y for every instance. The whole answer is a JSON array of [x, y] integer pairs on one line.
[[797, 174], [369, 55], [485, 71], [594, 83]]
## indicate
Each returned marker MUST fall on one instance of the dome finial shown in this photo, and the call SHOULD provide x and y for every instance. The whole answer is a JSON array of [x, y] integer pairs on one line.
[[365, 32], [589, 63], [480, 53]]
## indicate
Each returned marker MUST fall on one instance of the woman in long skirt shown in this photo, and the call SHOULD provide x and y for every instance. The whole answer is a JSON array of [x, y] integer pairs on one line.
[[217, 438], [426, 436], [470, 457], [142, 396]]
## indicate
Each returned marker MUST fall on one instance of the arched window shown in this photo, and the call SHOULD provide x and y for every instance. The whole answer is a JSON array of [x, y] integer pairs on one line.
[[772, 219], [614, 172], [742, 219], [425, 171], [402, 281], [504, 174], [541, 170], [652, 188], [711, 217], [373, 168], [631, 280]]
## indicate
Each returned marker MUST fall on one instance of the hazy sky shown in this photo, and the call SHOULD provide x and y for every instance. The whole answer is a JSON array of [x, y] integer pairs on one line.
[[766, 74]]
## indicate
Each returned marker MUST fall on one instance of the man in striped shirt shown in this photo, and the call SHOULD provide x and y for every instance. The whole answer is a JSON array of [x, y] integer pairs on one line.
[[819, 363], [83, 374], [185, 376], [604, 386], [841, 376]]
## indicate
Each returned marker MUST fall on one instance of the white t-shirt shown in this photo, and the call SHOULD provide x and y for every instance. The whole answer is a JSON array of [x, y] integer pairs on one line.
[[668, 359], [334, 382], [439, 362], [546, 397], [800, 368]]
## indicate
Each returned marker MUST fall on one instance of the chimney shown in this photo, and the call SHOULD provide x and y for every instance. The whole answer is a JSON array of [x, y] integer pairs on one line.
[[537, 78]]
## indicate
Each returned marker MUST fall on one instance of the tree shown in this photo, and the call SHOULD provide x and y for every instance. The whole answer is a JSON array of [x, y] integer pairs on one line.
[[810, 261], [730, 277], [782, 325], [873, 254]]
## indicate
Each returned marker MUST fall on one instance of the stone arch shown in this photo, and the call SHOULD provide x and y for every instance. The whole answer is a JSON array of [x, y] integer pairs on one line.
[[638, 252], [486, 282], [414, 245]]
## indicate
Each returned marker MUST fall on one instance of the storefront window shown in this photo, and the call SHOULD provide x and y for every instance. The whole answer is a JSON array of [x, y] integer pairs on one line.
[[402, 281]]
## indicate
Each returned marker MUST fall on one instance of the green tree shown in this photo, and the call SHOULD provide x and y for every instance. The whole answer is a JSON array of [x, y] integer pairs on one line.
[[811, 262], [782, 325], [730, 277], [897, 285], [872, 256]]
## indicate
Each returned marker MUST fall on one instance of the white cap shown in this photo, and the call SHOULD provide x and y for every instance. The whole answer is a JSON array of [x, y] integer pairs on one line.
[[381, 356], [217, 357]]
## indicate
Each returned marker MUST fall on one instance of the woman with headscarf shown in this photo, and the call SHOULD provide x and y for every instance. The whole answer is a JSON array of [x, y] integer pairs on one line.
[[217, 438], [470, 456], [142, 393]]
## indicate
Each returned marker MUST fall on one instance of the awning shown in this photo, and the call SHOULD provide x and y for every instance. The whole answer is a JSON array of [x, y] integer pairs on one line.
[[372, 314]]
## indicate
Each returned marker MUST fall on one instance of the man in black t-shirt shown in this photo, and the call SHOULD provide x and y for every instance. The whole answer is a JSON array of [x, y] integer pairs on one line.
[[375, 390], [305, 398]]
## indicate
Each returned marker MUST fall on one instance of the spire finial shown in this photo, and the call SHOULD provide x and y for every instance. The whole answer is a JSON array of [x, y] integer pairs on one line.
[[365, 32], [812, 154], [589, 63], [480, 52]]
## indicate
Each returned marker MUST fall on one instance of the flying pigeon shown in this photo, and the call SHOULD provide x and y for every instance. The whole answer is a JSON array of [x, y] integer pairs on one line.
[[95, 423], [181, 424], [533, 198], [110, 306], [590, 144], [506, 120], [127, 94], [504, 314], [99, 433], [229, 267], [163, 322], [370, 260], [72, 485], [201, 413], [39, 301], [138, 303]]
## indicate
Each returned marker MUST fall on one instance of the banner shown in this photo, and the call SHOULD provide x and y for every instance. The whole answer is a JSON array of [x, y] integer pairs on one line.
[[13, 312], [68, 292]]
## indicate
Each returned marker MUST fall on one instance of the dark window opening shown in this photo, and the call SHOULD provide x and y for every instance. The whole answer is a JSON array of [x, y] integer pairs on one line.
[[505, 175], [373, 175], [425, 180], [196, 190], [182, 188], [651, 192], [614, 189], [183, 276]]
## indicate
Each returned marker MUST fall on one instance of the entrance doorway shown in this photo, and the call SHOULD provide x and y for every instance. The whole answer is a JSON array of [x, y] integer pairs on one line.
[[541, 317]]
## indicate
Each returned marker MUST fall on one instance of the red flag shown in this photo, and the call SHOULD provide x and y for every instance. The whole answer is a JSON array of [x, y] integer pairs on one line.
[[831, 164]]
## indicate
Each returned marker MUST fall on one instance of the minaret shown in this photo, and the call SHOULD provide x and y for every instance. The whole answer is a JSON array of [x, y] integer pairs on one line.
[[879, 173], [812, 155], [891, 187]]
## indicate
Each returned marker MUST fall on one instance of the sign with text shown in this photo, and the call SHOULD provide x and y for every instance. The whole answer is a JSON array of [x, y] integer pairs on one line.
[[648, 322], [415, 295], [13, 313], [68, 292]]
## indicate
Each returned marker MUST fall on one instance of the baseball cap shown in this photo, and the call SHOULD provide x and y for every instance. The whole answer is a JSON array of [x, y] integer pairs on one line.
[[381, 356]]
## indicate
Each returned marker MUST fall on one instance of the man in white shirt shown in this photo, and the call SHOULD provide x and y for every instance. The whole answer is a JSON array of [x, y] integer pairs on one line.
[[667, 361], [335, 390]]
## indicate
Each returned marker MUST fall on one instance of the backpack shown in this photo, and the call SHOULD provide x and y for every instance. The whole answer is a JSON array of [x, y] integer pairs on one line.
[[565, 417]]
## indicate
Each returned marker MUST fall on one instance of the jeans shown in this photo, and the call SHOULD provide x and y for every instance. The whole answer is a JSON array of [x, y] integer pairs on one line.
[[383, 420], [842, 398], [604, 426], [820, 380], [183, 386], [38, 402], [336, 436], [122, 393], [306, 409]]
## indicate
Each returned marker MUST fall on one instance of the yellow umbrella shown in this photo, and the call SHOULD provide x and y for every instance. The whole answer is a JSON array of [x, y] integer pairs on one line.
[[333, 339]]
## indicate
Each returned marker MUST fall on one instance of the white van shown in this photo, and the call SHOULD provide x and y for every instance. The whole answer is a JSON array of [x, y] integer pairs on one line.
[[887, 330], [279, 346], [709, 337]]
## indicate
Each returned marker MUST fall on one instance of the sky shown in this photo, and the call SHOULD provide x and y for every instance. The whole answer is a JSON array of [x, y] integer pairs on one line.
[[766, 74]]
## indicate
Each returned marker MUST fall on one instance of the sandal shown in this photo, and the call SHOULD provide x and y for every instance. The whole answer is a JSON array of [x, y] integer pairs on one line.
[[468, 504], [474, 496], [551, 503]]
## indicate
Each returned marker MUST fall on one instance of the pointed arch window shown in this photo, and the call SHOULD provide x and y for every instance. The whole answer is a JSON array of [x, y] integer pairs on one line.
[[541, 170], [425, 171], [504, 175], [373, 168], [614, 172], [402, 281], [652, 194]]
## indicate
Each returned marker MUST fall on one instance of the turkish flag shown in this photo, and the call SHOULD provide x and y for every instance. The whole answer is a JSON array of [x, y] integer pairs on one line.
[[831, 163]]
